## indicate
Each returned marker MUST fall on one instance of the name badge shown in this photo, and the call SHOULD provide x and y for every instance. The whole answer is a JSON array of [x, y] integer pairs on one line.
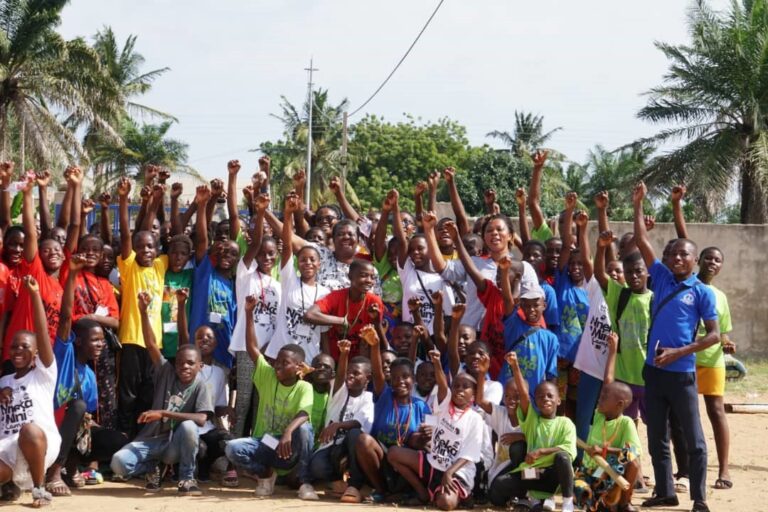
[[263, 319], [530, 474], [214, 318], [102, 311], [270, 441], [303, 329], [430, 419], [170, 327]]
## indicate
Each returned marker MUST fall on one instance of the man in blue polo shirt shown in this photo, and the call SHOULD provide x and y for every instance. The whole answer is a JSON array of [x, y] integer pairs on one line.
[[680, 303]]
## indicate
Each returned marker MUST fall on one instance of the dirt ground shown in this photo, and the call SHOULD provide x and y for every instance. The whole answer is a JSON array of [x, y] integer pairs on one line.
[[749, 471]]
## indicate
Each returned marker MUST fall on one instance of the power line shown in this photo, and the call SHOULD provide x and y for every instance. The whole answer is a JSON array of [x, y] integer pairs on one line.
[[401, 60]]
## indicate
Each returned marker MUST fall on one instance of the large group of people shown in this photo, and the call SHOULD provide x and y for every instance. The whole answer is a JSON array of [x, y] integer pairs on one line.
[[387, 356]]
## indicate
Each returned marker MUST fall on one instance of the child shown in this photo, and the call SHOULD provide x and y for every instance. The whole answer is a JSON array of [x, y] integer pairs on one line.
[[350, 407], [426, 381], [446, 474], [321, 374], [347, 310], [397, 419], [282, 430], [179, 275], [298, 293], [141, 270], [551, 444], [180, 406], [212, 376], [29, 439], [533, 253]]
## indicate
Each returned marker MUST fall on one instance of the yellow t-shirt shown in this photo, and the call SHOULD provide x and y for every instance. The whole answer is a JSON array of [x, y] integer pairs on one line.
[[135, 279]]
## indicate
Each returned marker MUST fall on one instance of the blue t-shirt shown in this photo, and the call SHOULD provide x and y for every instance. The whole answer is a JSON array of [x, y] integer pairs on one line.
[[552, 312], [392, 420], [214, 305], [574, 308], [66, 383], [536, 354], [676, 323]]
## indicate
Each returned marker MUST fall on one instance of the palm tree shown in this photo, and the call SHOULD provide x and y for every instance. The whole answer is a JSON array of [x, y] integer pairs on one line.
[[715, 95], [45, 79], [289, 154], [528, 135]]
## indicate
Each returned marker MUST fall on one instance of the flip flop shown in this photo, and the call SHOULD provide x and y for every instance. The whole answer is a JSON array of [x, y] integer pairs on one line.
[[722, 483], [77, 480], [351, 495], [58, 488], [682, 485]]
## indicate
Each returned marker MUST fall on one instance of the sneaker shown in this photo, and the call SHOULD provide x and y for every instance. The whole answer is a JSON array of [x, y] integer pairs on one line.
[[152, 480], [266, 486], [549, 505], [189, 488], [120, 479], [307, 492]]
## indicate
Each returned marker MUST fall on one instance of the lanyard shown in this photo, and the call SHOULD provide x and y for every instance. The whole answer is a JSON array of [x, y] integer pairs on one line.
[[261, 285], [401, 434], [274, 405], [607, 443], [452, 411], [301, 287], [357, 317]]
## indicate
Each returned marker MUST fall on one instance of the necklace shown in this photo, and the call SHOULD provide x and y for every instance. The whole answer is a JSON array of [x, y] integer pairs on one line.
[[401, 434]]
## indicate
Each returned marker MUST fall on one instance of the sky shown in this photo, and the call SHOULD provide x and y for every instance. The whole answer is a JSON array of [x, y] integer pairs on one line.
[[583, 65]]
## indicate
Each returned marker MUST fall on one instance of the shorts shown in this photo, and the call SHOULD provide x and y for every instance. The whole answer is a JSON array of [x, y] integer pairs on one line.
[[567, 379], [710, 381], [433, 479], [637, 407], [11, 456]]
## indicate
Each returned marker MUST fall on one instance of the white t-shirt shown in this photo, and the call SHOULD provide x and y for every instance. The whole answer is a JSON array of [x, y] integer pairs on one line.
[[458, 435], [455, 272], [498, 420], [250, 281], [592, 353], [31, 402], [412, 280], [430, 398], [342, 407], [334, 274], [297, 298], [213, 378]]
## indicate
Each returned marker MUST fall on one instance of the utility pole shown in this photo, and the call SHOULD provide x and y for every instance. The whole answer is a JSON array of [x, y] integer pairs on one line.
[[310, 103], [344, 135]]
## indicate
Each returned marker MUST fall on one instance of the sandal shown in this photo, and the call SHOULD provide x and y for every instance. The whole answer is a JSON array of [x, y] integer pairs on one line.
[[682, 485], [351, 495], [230, 479], [723, 483], [77, 481], [41, 498], [57, 488]]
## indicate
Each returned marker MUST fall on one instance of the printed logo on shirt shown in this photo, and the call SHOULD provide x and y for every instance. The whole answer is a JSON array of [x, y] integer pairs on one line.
[[446, 443], [18, 412], [688, 299]]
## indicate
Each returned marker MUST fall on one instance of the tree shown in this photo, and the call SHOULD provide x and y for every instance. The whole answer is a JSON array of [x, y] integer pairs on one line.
[[715, 94], [528, 134], [42, 75]]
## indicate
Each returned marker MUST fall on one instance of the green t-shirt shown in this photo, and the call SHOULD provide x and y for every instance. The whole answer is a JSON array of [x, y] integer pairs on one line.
[[712, 357], [632, 329], [278, 404], [391, 288], [170, 307], [542, 233], [319, 406], [546, 433], [618, 433]]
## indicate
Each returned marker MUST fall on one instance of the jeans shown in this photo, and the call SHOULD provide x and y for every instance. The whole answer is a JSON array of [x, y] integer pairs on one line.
[[322, 468], [666, 392], [587, 395], [140, 457], [255, 457]]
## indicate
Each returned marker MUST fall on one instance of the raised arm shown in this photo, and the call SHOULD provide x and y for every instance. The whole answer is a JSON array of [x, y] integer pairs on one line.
[[144, 197], [251, 341], [601, 204], [43, 179], [438, 324], [86, 207], [233, 167], [105, 226], [505, 267], [534, 194], [76, 264], [126, 245], [292, 205], [483, 366], [428, 222], [202, 199], [155, 204], [28, 221], [449, 173], [341, 368], [368, 334], [520, 384], [65, 212], [176, 227], [260, 205], [182, 325], [433, 182], [418, 193], [466, 259], [40, 321], [397, 228], [277, 227], [567, 234], [582, 222], [6, 174], [522, 219], [337, 187], [641, 235], [299, 220], [75, 182], [380, 237], [440, 379], [454, 360], [610, 362], [603, 242], [150, 342], [676, 198]]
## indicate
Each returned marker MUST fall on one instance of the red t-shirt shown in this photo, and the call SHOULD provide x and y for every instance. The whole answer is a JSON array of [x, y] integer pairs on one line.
[[335, 303], [21, 316], [5, 276], [91, 292], [492, 330], [11, 288]]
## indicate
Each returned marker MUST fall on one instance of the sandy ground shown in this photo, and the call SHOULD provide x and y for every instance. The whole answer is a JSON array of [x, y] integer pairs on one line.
[[749, 471]]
